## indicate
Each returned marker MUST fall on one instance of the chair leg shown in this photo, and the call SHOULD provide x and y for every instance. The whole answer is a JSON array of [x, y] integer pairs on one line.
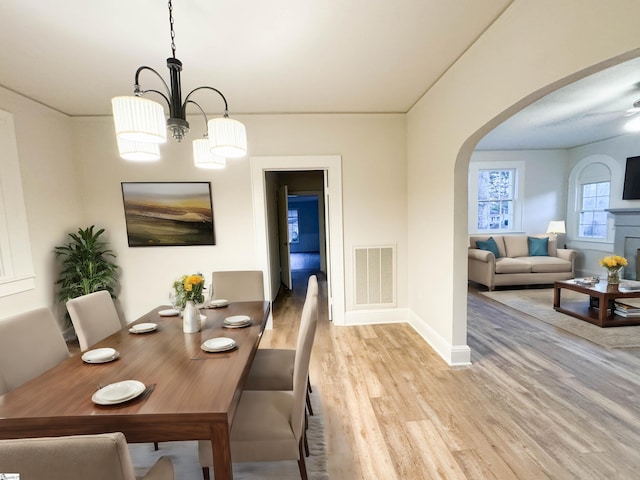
[[155, 446], [306, 444], [309, 385], [309, 405], [301, 465], [205, 473]]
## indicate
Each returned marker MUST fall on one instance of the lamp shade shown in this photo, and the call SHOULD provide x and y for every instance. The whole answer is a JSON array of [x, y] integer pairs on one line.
[[203, 158], [227, 137], [556, 226], [138, 151], [139, 119]]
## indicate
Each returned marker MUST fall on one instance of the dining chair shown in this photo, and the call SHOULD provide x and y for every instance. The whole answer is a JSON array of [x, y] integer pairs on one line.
[[30, 344], [238, 285], [272, 368], [99, 457], [94, 317], [269, 425]]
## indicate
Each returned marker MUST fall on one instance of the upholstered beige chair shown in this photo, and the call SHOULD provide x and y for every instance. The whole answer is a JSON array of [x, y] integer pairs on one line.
[[94, 317], [30, 344], [269, 425], [272, 368], [95, 457], [238, 286]]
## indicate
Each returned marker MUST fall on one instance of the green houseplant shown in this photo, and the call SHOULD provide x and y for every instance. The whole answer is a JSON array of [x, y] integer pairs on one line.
[[86, 265]]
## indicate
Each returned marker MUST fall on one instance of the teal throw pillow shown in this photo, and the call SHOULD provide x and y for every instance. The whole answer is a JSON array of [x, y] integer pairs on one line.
[[490, 245], [538, 247]]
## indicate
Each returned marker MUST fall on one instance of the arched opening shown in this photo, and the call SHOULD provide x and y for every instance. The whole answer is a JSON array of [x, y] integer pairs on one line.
[[557, 111]]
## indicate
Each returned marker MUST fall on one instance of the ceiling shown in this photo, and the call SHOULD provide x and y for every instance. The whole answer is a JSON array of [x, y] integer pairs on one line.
[[282, 56]]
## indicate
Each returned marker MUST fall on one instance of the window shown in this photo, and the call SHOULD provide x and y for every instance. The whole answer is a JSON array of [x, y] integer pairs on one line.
[[593, 215], [496, 192], [294, 232]]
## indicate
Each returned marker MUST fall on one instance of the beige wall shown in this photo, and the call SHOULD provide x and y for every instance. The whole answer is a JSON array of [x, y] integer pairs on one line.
[[374, 194], [531, 46], [49, 186]]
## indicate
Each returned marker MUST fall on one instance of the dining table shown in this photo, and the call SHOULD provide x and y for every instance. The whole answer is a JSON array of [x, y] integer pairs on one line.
[[189, 393]]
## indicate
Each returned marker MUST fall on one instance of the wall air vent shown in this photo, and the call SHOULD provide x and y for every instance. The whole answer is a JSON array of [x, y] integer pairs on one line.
[[375, 276]]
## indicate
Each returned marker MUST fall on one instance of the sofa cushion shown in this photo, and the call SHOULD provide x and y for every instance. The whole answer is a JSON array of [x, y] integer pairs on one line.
[[546, 264], [516, 246], [473, 239], [490, 245], [512, 265], [538, 247]]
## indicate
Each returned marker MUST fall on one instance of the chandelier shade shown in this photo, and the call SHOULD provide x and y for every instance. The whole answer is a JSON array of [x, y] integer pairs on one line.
[[138, 151], [227, 137], [139, 119], [203, 158]]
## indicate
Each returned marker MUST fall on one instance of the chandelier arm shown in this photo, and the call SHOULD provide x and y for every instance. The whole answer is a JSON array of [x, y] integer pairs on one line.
[[226, 107], [201, 111], [137, 91]]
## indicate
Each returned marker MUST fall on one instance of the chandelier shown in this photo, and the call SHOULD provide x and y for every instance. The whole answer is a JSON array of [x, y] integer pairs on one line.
[[141, 125]]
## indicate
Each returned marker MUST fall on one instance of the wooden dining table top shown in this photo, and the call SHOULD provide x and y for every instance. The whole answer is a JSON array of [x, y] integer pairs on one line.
[[192, 394]]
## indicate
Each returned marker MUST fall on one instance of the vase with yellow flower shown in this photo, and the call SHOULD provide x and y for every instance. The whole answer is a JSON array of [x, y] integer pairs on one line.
[[188, 292], [613, 264]]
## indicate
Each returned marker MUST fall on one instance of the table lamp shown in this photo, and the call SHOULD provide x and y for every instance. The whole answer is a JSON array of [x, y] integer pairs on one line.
[[557, 227]]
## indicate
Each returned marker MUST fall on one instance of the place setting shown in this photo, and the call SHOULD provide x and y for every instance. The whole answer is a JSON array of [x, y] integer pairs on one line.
[[237, 321], [100, 355], [121, 392], [219, 303], [143, 328]]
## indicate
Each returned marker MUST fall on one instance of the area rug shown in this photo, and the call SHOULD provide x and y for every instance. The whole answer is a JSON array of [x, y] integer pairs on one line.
[[539, 304], [184, 456]]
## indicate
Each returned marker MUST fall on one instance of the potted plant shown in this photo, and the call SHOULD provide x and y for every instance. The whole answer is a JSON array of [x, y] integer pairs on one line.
[[86, 265]]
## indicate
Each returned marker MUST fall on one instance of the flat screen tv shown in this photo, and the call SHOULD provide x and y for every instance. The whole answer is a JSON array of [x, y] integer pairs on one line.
[[631, 190]]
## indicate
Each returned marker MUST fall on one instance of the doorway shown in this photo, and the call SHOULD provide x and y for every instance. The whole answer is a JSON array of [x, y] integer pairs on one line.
[[266, 254]]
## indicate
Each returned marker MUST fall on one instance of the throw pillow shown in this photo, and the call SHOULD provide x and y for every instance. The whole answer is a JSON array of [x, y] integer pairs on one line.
[[538, 247], [490, 245]]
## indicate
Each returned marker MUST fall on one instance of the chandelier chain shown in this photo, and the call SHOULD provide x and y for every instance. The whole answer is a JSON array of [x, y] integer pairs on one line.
[[173, 33]]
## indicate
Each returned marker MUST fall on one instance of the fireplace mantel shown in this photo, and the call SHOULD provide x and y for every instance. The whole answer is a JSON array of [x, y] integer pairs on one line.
[[627, 239]]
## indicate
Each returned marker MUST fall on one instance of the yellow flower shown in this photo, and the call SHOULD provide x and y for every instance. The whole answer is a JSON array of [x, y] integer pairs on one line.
[[613, 262], [189, 287]]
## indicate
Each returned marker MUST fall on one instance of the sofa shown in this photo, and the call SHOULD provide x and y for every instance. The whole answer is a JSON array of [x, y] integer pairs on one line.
[[500, 260]]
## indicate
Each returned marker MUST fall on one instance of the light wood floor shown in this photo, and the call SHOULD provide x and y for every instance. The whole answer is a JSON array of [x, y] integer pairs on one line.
[[537, 403]]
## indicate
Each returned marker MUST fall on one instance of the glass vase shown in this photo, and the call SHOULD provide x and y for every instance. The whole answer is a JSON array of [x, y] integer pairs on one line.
[[613, 276], [190, 318]]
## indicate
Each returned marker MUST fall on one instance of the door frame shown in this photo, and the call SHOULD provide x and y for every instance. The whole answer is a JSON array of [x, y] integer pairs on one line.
[[332, 165]]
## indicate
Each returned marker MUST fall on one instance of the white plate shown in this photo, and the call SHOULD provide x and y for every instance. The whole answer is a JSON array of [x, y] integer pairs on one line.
[[170, 312], [143, 327], [100, 355], [236, 325], [118, 392], [237, 320], [219, 344], [221, 302]]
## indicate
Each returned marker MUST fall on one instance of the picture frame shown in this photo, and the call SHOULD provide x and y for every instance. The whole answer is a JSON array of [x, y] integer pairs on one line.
[[168, 214]]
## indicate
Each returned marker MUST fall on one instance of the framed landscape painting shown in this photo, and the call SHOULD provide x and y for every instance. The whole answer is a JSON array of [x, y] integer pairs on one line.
[[168, 214]]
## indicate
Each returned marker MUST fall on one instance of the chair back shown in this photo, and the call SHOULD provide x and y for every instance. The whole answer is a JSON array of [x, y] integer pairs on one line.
[[30, 344], [98, 457], [306, 335], [94, 317], [238, 286]]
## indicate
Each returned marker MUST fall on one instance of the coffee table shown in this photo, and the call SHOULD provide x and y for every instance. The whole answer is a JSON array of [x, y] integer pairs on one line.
[[599, 308]]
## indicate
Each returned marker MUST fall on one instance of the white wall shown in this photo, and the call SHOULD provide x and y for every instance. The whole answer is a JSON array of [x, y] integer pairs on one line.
[[45, 153], [545, 187], [618, 149], [374, 195], [532, 49]]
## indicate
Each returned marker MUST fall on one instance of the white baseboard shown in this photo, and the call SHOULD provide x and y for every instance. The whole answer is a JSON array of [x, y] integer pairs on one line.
[[454, 355], [373, 317]]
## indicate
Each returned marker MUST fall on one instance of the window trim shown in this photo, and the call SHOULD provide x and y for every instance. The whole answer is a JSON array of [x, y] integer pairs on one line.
[[518, 195]]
